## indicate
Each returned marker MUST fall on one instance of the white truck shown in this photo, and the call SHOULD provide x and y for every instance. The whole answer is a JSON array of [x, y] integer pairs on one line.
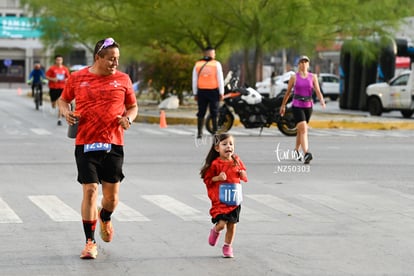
[[397, 94]]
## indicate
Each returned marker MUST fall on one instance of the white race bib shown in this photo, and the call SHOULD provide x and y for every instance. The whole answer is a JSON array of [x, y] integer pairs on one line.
[[97, 147], [231, 194], [60, 76]]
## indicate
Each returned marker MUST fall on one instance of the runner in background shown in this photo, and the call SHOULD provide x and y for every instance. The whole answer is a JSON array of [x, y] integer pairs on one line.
[[57, 75]]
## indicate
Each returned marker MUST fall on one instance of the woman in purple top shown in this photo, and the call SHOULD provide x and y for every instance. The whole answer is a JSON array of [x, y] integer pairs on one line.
[[303, 83]]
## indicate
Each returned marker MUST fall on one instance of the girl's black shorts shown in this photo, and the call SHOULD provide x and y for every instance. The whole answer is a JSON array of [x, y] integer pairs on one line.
[[233, 216], [98, 166]]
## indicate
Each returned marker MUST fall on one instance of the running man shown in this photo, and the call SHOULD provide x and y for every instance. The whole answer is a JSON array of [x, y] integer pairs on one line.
[[105, 106]]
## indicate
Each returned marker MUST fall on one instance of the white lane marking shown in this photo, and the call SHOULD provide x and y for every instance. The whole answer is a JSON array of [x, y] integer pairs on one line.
[[7, 215], [179, 131], [240, 131], [182, 210], [56, 209], [150, 131], [349, 133], [279, 204], [340, 206], [409, 196], [126, 213], [378, 205], [236, 132], [40, 131], [247, 213]]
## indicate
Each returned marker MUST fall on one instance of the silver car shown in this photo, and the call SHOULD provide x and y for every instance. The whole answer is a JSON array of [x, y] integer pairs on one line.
[[329, 84]]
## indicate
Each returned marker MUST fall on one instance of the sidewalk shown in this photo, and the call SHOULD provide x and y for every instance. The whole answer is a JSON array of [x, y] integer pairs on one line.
[[331, 118]]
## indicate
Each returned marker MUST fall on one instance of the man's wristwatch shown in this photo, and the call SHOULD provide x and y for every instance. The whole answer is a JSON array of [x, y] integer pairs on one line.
[[129, 120]]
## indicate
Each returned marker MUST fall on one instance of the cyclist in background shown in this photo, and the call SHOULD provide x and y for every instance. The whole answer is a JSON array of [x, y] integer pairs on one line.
[[36, 78]]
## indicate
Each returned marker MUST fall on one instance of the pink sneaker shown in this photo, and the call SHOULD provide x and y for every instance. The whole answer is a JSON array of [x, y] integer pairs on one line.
[[213, 238], [227, 251]]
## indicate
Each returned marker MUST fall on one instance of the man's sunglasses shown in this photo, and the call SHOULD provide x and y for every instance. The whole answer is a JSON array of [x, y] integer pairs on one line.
[[107, 42]]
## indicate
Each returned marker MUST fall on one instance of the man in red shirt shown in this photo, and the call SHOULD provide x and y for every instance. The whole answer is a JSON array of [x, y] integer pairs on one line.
[[57, 75], [105, 106]]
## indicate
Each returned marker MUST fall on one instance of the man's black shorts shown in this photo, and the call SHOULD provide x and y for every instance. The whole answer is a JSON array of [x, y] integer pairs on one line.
[[55, 94], [301, 114], [98, 166]]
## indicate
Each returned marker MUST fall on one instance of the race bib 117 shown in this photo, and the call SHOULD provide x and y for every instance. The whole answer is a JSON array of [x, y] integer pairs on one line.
[[231, 194]]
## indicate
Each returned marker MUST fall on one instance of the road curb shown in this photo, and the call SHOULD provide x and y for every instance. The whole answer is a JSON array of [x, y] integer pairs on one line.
[[345, 124], [315, 123]]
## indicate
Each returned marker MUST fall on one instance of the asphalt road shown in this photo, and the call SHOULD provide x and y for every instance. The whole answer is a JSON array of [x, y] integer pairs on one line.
[[349, 213]]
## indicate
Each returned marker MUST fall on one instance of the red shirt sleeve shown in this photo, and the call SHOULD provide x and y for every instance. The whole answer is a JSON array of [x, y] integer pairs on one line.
[[130, 98], [68, 94], [242, 167], [210, 173]]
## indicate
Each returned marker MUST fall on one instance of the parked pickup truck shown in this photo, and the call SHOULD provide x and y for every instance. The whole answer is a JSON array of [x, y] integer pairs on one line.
[[397, 94]]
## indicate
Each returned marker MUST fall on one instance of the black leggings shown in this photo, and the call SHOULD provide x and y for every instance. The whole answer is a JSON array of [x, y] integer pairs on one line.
[[301, 114]]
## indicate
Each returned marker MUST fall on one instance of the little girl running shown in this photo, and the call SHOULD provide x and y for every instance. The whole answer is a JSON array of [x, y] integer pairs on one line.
[[222, 173]]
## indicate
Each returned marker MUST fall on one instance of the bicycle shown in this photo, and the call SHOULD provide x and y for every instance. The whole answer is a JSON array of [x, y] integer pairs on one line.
[[37, 94]]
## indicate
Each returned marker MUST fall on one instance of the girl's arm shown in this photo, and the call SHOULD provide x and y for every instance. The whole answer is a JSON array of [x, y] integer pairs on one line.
[[243, 175], [210, 175], [242, 170], [221, 177], [214, 174]]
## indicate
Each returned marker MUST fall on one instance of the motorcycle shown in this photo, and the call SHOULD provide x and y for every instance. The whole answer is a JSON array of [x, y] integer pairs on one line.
[[252, 108]]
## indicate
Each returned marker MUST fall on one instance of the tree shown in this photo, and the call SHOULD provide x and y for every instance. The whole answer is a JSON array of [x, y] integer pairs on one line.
[[184, 27], [265, 25]]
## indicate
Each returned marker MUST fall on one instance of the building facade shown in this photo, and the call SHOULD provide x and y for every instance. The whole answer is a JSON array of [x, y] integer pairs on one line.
[[19, 43], [21, 47]]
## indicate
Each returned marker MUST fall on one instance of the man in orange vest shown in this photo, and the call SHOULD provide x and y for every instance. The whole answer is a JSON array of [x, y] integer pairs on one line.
[[208, 88]]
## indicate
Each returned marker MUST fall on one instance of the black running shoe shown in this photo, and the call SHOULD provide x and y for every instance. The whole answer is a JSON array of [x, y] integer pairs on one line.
[[308, 157], [297, 155]]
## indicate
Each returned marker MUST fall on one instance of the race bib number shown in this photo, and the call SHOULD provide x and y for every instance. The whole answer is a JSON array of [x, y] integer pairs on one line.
[[60, 77], [97, 147], [231, 194]]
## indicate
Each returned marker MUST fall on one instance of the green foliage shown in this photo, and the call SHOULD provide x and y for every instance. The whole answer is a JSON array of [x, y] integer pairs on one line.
[[161, 33], [168, 70]]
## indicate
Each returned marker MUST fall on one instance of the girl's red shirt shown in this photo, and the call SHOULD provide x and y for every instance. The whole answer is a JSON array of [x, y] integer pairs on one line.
[[232, 171]]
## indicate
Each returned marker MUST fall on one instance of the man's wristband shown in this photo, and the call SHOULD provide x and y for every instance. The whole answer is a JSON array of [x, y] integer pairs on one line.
[[129, 121]]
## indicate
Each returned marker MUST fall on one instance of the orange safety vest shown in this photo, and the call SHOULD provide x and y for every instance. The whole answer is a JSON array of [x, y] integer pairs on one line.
[[207, 74]]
